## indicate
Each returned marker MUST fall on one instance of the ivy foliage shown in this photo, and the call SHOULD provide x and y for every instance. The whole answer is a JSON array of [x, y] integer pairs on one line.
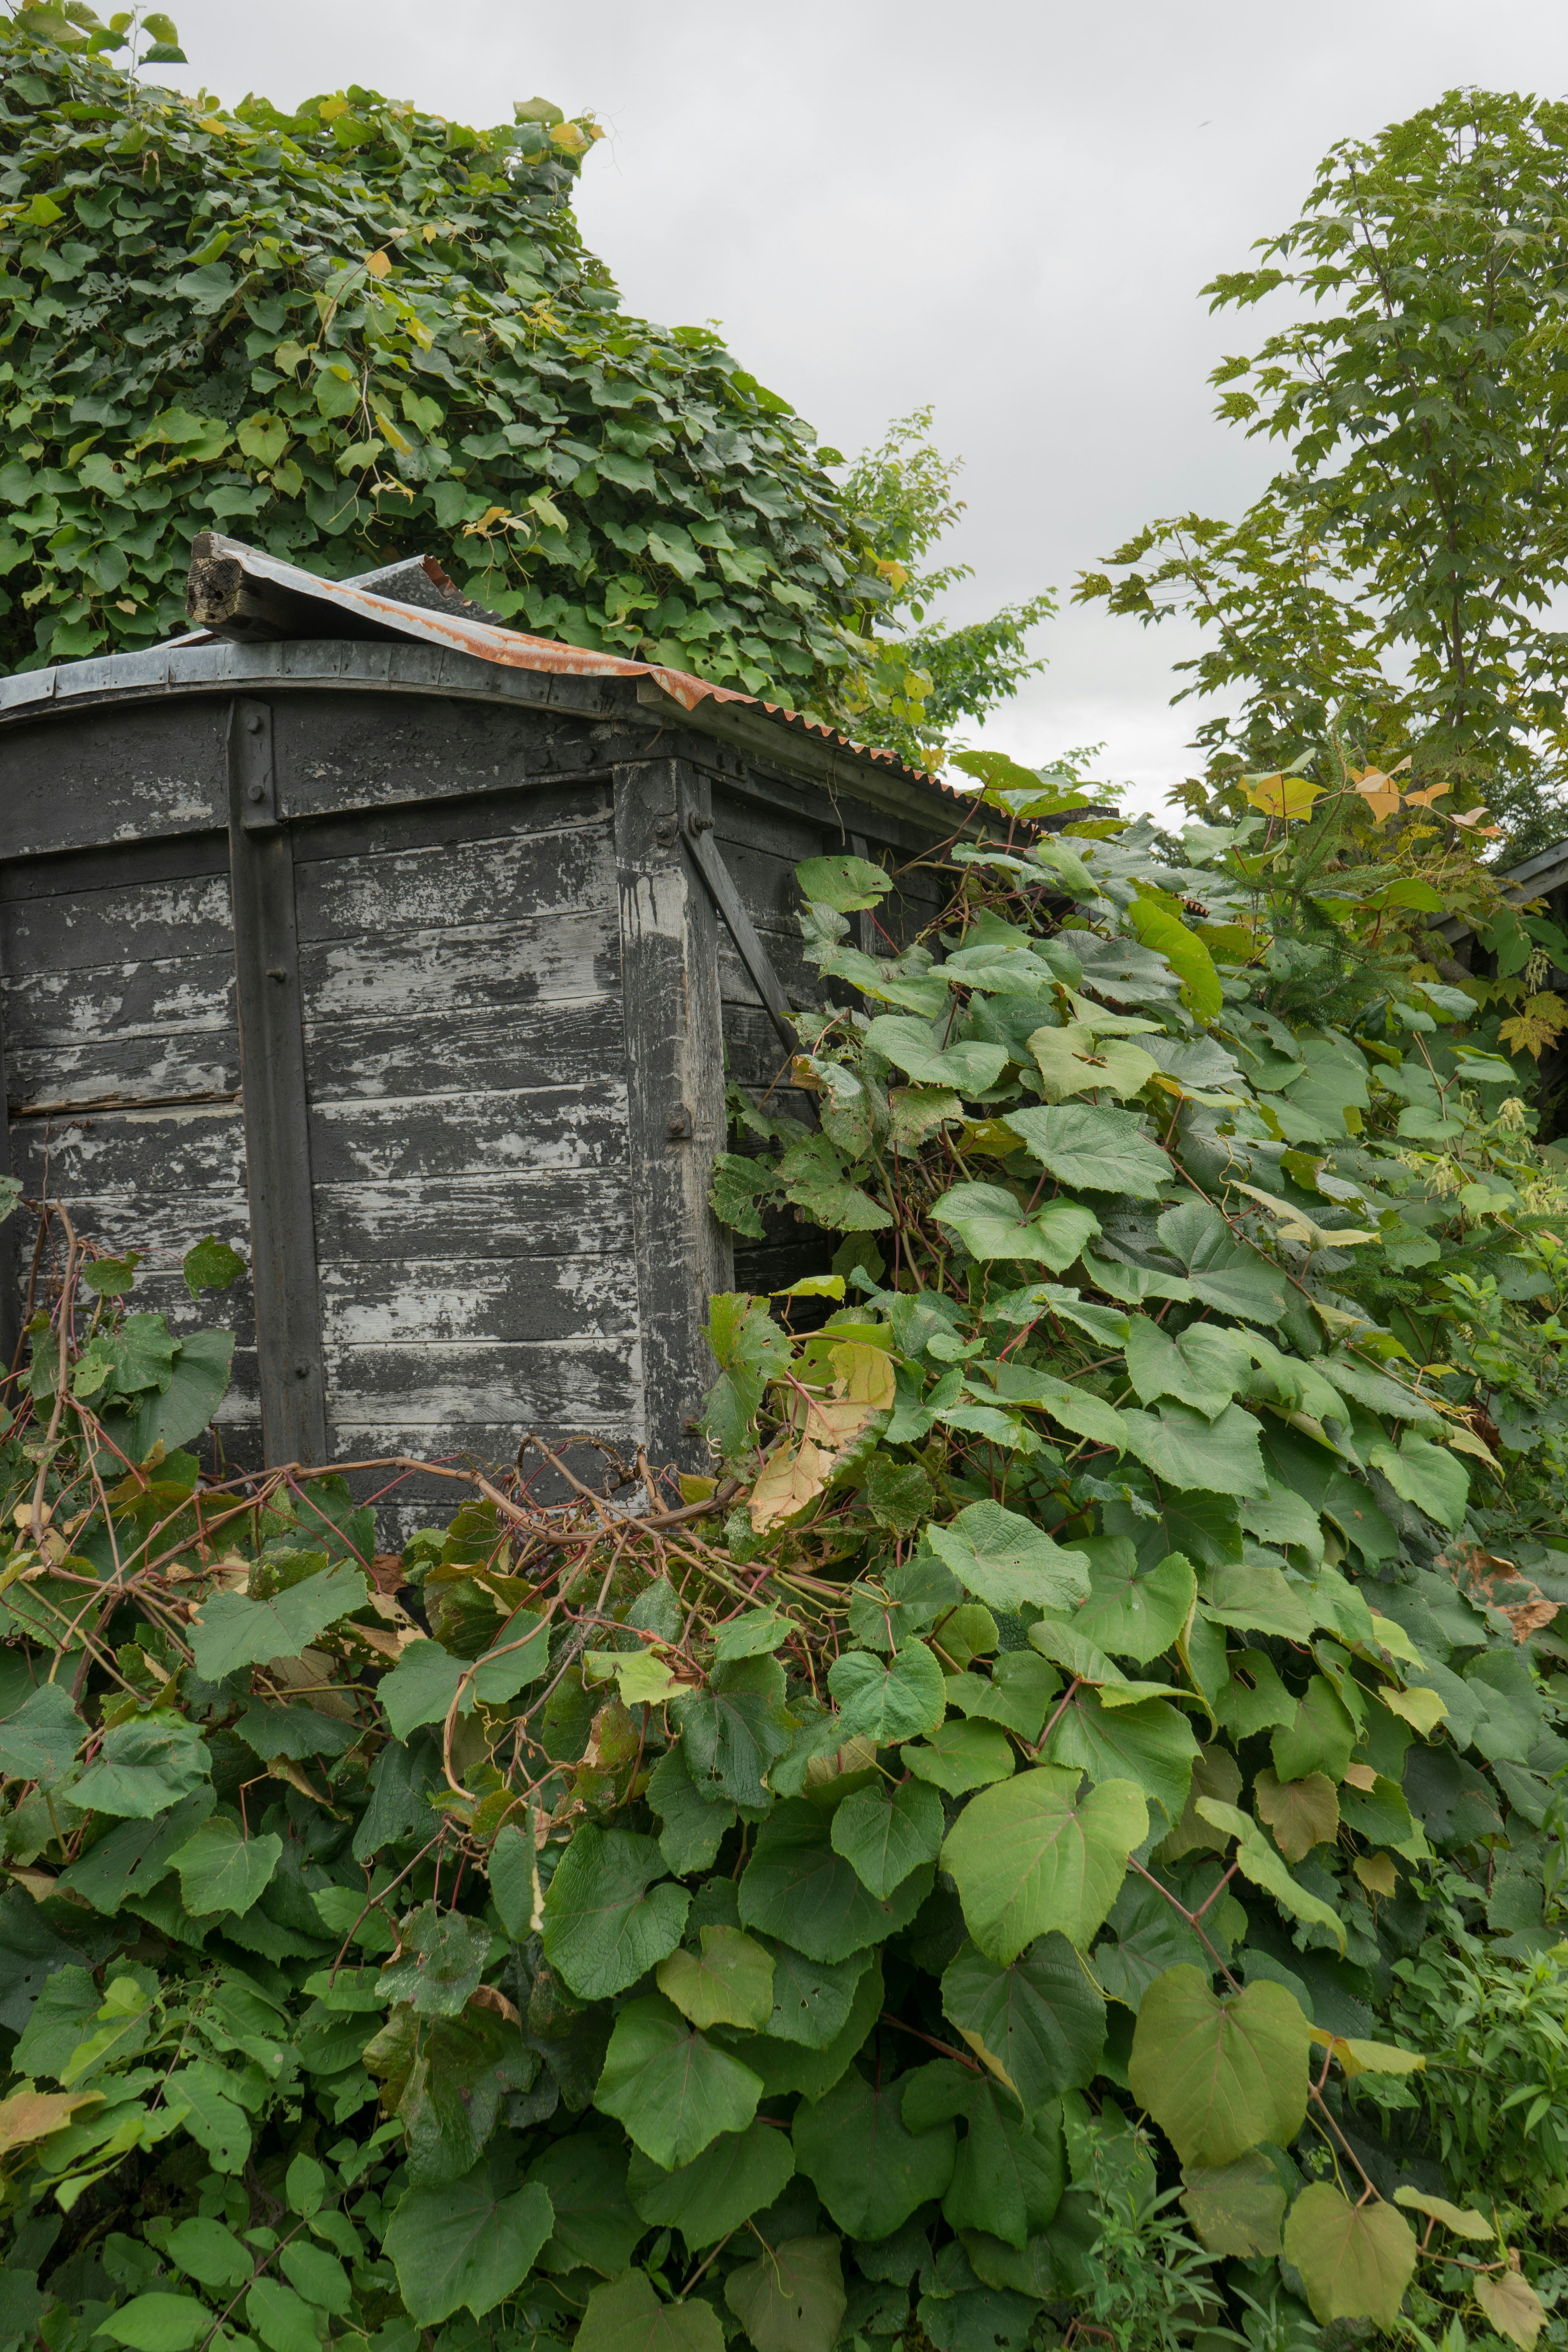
[[358, 331], [1058, 1831]]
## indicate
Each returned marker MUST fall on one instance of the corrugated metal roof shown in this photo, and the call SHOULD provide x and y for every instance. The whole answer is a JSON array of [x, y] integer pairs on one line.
[[308, 605]]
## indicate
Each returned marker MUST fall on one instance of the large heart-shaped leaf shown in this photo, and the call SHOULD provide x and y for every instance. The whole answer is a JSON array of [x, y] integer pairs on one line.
[[40, 1739], [1033, 1854], [629, 2317], [868, 2169], [233, 1632], [1187, 1450], [729, 1981], [1302, 1813], [606, 1921], [1007, 1562], [1007, 2178], [674, 2090], [885, 1832], [1236, 2208], [737, 2175], [1038, 2022], [791, 2299], [1094, 1149], [1130, 1613], [889, 1699], [223, 1870], [1355, 2261], [465, 2245], [1217, 2075], [796, 1887]]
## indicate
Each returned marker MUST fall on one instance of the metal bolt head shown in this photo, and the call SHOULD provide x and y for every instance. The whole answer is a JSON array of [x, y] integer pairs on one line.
[[664, 831], [257, 792], [301, 1372], [253, 722]]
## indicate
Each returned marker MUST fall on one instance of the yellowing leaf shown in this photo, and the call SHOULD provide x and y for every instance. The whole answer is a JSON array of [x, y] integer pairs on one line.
[[867, 1373], [1512, 2305], [1380, 793], [1368, 2057], [1356, 2261], [28, 2116], [793, 1476], [1422, 1709], [1535, 1026], [1463, 2220], [1377, 1874], [1286, 797], [378, 264]]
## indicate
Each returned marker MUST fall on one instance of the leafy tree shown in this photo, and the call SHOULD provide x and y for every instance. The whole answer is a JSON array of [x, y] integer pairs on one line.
[[917, 687], [358, 330], [1397, 576]]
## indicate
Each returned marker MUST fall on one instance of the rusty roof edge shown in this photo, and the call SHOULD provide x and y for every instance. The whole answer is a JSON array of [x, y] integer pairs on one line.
[[698, 699]]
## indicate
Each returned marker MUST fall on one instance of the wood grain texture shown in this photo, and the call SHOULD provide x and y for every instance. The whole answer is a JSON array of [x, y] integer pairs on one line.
[[488, 1052], [135, 773], [532, 1214], [351, 750], [563, 1127], [177, 993], [495, 880], [137, 920], [675, 1091], [425, 1302], [267, 968], [438, 1387]]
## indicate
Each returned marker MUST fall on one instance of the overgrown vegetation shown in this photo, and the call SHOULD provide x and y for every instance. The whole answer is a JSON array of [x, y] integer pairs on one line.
[[360, 331], [1055, 1840]]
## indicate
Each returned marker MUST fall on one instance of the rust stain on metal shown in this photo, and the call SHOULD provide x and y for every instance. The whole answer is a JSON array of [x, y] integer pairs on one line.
[[241, 591]]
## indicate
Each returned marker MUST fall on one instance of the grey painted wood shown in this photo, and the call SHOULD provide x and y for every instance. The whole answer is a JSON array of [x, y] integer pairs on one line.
[[12, 1227], [732, 908], [675, 1091], [486, 1051], [545, 1127], [272, 1058], [536, 1215]]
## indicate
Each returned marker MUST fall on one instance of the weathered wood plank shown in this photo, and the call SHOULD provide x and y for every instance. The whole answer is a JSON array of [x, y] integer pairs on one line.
[[426, 1301], [675, 1082], [272, 1056], [354, 750], [114, 865], [559, 1384], [148, 1000], [513, 878], [117, 1070], [529, 807], [538, 1046], [133, 923], [121, 774], [164, 1225], [424, 972], [537, 1215], [458, 1135], [165, 1154]]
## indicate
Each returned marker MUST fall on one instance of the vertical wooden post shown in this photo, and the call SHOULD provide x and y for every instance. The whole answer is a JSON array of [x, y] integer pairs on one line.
[[10, 1287], [272, 1076], [675, 1091]]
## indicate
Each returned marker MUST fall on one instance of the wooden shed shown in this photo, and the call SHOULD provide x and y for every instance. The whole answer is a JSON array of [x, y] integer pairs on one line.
[[407, 951]]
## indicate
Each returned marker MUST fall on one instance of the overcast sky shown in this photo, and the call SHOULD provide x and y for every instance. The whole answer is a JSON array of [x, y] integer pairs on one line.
[[1004, 208]]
